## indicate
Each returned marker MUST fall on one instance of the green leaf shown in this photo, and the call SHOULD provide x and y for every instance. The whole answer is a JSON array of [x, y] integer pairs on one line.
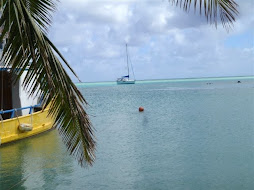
[[227, 10], [28, 47]]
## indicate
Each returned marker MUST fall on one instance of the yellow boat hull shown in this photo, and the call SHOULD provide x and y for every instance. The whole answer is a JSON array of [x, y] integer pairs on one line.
[[9, 129]]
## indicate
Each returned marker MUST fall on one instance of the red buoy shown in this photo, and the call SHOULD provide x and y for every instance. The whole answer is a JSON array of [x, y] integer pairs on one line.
[[140, 109]]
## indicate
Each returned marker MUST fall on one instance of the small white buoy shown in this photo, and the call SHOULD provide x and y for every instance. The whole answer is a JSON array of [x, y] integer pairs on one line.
[[24, 127]]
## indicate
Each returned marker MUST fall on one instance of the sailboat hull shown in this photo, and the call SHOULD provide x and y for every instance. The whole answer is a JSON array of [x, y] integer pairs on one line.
[[126, 82]]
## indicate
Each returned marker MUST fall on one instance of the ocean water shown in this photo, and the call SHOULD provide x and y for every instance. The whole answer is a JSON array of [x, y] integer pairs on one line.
[[193, 135]]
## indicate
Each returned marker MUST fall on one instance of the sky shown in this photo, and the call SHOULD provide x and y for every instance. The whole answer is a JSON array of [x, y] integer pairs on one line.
[[164, 42]]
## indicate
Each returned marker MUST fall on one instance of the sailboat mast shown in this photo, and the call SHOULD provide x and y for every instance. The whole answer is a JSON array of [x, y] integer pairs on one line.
[[127, 60]]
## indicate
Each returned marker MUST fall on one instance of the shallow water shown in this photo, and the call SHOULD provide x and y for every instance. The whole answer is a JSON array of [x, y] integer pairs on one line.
[[192, 135]]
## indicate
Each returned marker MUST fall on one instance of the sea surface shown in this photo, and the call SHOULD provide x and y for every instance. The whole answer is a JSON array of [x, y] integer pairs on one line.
[[195, 134]]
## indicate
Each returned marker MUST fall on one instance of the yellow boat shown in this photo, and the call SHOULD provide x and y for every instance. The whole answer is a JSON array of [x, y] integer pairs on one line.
[[25, 126], [21, 115]]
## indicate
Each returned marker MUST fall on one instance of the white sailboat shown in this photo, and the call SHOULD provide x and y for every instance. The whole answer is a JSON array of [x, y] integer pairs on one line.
[[126, 79]]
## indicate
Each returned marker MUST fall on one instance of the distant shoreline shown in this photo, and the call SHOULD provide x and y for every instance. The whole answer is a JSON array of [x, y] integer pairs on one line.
[[221, 77], [172, 80]]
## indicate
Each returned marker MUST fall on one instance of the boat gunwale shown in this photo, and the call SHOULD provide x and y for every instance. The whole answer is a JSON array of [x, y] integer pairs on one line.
[[23, 116]]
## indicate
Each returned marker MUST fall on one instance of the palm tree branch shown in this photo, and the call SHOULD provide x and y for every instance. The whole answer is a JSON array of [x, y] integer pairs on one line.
[[29, 46], [61, 56], [227, 10]]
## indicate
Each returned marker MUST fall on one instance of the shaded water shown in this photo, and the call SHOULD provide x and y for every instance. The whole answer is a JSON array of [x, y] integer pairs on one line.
[[192, 135]]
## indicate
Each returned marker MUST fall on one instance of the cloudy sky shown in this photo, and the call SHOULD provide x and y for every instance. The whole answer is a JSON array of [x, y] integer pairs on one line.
[[164, 42]]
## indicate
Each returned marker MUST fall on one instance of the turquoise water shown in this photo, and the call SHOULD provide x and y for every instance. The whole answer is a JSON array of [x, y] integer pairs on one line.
[[192, 135], [111, 83]]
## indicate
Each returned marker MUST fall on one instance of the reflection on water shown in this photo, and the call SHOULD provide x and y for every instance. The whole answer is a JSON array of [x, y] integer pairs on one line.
[[145, 120], [33, 162]]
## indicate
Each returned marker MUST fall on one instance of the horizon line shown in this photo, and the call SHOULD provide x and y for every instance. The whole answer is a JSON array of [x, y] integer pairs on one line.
[[172, 79]]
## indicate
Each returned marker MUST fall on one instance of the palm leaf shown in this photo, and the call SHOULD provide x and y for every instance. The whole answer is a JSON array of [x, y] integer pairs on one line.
[[25, 23], [225, 9]]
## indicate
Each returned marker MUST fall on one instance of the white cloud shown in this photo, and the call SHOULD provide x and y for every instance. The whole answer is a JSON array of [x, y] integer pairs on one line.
[[164, 41]]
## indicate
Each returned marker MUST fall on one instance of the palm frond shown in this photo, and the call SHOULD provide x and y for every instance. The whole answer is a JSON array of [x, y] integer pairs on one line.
[[225, 9], [24, 23]]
